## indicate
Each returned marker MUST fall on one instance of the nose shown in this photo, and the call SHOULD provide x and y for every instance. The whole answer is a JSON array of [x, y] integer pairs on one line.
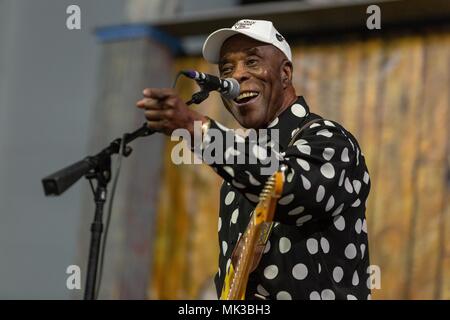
[[241, 73]]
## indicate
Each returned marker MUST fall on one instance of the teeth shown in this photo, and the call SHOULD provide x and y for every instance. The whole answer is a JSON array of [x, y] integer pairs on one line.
[[246, 95]]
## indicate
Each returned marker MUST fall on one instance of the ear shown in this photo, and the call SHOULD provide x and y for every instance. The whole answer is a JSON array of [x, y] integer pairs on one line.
[[286, 73]]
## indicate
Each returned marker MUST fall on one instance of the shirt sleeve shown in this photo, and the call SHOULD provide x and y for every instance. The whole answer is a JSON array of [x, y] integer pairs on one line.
[[323, 175]]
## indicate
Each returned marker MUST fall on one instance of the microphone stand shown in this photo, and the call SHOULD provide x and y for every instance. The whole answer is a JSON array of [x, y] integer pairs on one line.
[[98, 167], [103, 176], [102, 173]]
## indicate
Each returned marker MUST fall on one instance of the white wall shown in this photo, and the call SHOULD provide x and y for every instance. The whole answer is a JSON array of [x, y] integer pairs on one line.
[[47, 90], [48, 86]]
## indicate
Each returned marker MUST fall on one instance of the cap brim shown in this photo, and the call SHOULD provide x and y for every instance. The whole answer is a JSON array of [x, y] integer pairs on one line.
[[213, 44]]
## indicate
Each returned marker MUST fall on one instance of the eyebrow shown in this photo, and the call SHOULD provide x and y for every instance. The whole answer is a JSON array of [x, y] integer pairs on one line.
[[249, 51], [253, 51]]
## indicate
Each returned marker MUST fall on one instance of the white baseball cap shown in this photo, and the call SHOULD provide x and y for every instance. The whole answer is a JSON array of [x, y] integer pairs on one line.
[[260, 30]]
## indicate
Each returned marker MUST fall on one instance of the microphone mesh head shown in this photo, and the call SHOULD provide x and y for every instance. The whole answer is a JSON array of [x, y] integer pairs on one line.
[[233, 90]]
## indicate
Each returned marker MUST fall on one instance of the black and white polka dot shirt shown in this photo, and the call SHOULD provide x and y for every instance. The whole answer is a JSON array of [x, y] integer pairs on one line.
[[318, 248]]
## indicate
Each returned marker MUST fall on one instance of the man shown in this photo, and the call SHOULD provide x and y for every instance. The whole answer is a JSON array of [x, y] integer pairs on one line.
[[318, 248]]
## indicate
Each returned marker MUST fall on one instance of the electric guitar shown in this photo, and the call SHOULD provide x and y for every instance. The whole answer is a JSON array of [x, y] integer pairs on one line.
[[248, 251]]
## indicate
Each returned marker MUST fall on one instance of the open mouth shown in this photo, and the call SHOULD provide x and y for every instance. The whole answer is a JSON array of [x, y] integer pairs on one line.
[[246, 97]]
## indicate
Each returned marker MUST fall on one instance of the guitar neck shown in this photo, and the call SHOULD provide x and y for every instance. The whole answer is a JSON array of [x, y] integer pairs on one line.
[[242, 270], [235, 282]]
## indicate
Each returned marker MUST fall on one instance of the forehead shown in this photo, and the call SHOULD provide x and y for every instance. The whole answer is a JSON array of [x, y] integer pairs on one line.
[[242, 44]]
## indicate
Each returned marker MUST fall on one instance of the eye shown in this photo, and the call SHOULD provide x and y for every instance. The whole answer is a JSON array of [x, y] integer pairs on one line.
[[226, 70], [252, 62]]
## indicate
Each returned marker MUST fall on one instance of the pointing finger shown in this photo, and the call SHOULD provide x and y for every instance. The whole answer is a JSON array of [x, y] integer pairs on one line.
[[158, 94]]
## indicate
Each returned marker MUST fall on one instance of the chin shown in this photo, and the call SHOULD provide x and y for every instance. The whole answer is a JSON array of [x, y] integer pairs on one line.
[[249, 122]]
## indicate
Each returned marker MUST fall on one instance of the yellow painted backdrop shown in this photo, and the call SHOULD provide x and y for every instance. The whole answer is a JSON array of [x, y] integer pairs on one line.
[[392, 93]]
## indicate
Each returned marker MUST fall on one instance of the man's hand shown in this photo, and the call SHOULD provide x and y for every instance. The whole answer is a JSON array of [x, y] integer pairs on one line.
[[165, 111]]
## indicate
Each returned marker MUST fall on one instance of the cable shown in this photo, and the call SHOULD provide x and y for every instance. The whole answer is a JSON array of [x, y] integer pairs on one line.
[[110, 205], [176, 79], [108, 218]]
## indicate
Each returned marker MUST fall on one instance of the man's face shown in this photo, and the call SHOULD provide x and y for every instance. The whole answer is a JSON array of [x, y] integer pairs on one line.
[[258, 67]]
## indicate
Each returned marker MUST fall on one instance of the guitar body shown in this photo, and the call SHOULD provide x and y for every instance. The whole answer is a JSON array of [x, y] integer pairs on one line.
[[250, 247]]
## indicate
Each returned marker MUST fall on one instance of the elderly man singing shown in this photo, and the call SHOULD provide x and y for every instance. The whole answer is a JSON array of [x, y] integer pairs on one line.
[[318, 247]]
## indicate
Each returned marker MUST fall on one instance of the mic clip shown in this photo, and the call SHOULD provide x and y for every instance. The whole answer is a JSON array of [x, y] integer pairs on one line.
[[198, 97], [205, 87]]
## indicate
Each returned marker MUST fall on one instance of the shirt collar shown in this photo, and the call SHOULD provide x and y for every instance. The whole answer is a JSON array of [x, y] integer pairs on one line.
[[288, 121]]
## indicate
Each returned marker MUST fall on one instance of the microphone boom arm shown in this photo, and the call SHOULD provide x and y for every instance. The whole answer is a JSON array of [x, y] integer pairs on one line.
[[56, 183]]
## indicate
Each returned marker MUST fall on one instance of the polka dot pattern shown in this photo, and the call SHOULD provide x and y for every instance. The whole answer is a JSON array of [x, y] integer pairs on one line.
[[303, 148], [284, 295], [286, 199], [330, 204], [327, 294], [344, 155], [231, 152], [341, 178], [267, 248], [338, 274], [326, 181], [252, 179], [224, 248], [298, 110], [296, 211], [350, 251], [366, 178], [284, 245], [314, 296], [271, 272], [234, 216], [273, 123], [229, 170], [348, 186], [320, 194], [325, 133], [260, 289], [355, 278], [328, 153], [325, 245], [358, 226], [305, 165], [237, 184], [338, 210], [290, 176], [356, 186], [229, 198], [357, 203], [312, 245], [300, 221], [252, 197], [300, 271], [259, 152], [339, 222], [327, 170], [306, 183], [364, 226]]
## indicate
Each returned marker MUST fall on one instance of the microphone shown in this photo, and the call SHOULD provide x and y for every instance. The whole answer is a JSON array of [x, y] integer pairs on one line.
[[229, 87]]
